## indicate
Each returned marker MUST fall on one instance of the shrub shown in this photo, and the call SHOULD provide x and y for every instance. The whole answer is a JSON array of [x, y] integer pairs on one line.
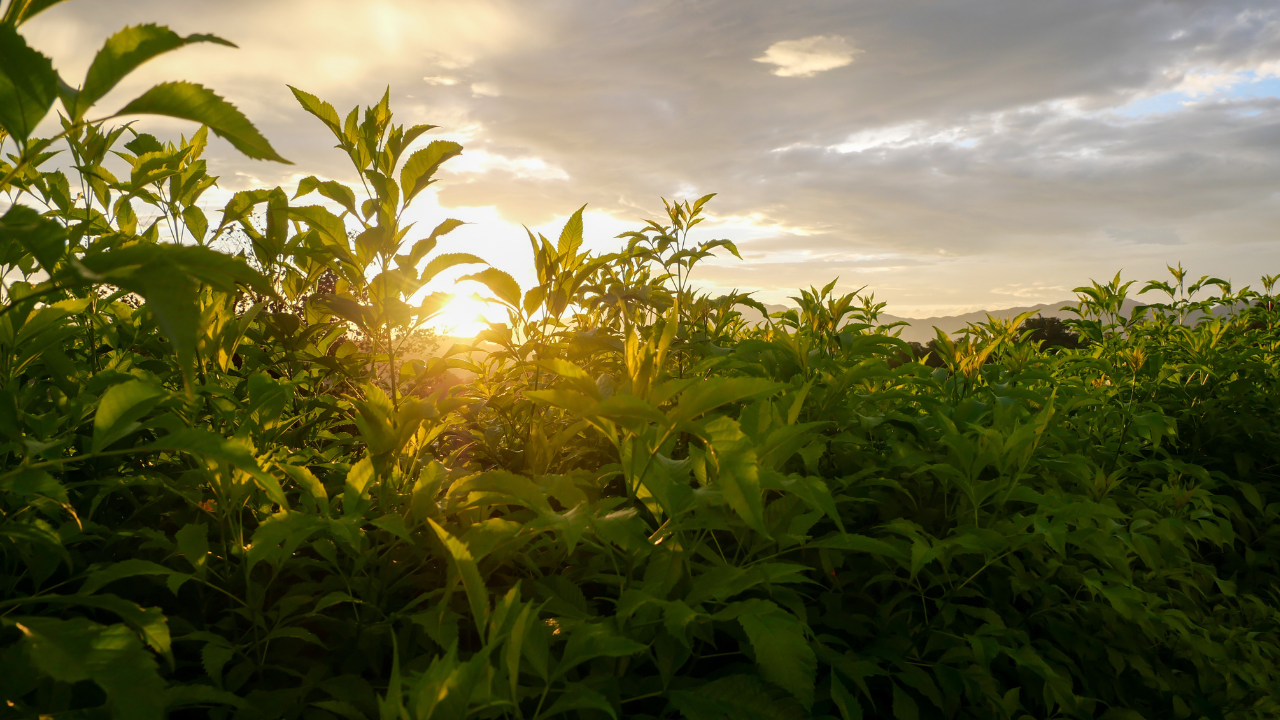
[[640, 507]]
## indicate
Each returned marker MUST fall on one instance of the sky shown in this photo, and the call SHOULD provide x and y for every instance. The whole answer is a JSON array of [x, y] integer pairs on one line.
[[949, 156]]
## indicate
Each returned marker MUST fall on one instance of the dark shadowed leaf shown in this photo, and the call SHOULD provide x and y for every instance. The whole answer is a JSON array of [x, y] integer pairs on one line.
[[20, 11], [28, 83], [111, 656], [40, 236]]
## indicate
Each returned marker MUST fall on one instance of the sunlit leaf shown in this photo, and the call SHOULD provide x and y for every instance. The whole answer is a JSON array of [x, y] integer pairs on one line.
[[188, 101]]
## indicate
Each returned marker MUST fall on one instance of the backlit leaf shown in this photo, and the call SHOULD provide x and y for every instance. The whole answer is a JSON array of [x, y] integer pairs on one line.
[[188, 101]]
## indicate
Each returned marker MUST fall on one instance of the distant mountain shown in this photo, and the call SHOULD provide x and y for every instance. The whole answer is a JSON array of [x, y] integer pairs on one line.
[[921, 330]]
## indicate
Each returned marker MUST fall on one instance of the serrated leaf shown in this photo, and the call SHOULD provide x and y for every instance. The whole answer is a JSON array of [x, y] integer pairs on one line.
[[499, 282], [214, 657], [592, 640], [181, 696], [735, 697], [189, 101], [571, 235], [132, 567], [863, 544], [707, 396], [193, 542], [321, 109], [111, 656], [472, 583], [738, 472], [122, 54], [416, 174], [578, 697], [846, 703], [440, 263], [904, 707], [424, 246], [214, 447], [120, 408], [781, 650], [43, 238]]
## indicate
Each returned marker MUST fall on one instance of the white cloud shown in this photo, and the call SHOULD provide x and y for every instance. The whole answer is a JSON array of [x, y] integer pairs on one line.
[[480, 162], [1039, 291], [1197, 84], [809, 56]]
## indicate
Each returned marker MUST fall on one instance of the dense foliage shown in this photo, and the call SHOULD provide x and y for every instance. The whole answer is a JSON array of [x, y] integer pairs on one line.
[[225, 492]]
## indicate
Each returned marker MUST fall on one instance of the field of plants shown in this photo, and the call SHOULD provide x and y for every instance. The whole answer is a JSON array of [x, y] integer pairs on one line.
[[229, 490]]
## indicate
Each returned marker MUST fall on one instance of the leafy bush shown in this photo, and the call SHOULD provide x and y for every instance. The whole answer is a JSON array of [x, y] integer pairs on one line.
[[217, 503]]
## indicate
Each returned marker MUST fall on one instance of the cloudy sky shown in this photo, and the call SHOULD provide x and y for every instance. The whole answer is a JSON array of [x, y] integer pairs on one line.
[[949, 155]]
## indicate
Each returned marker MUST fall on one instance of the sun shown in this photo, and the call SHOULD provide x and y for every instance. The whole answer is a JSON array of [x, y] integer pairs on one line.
[[464, 316]]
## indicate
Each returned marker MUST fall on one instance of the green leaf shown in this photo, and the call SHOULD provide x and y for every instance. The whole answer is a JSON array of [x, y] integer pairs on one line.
[[592, 640], [477, 595], [214, 656], [28, 83], [578, 697], [20, 11], [738, 476], [320, 109], [166, 277], [333, 190], [182, 696], [132, 567], [904, 707], [276, 539], [345, 308], [416, 174], [571, 235], [150, 623], [735, 697], [847, 704], [111, 656], [707, 396], [188, 101], [440, 263], [427, 244], [122, 54], [815, 493], [309, 482], [356, 485], [864, 544], [1116, 713], [120, 409], [422, 503], [41, 237], [503, 285], [197, 223], [193, 543], [511, 653], [28, 483], [231, 451], [781, 650]]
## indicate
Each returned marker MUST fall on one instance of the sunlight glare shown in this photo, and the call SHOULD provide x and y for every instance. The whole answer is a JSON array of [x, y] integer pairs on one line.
[[462, 317]]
